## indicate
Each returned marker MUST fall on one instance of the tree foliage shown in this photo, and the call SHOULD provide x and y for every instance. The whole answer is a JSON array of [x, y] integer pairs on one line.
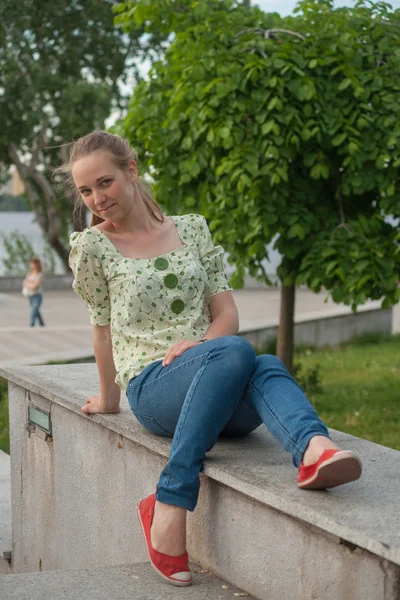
[[19, 251], [273, 125], [60, 63]]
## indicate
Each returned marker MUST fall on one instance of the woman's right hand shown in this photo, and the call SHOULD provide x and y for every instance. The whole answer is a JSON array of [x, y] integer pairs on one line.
[[95, 404]]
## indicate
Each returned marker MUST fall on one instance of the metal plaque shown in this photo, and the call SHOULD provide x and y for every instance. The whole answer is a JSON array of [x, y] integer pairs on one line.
[[40, 418]]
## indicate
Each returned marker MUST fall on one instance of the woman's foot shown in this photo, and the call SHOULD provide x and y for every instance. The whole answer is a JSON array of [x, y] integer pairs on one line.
[[316, 447], [168, 529], [174, 568], [334, 467]]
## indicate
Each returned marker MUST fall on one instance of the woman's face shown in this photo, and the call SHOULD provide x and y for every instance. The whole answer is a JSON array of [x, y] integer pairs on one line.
[[107, 191]]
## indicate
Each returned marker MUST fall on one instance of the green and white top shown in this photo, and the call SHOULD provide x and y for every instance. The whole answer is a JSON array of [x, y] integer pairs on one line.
[[150, 303]]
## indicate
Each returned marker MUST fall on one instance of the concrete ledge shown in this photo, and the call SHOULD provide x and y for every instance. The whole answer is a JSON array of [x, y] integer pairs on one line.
[[326, 328], [114, 583], [74, 496]]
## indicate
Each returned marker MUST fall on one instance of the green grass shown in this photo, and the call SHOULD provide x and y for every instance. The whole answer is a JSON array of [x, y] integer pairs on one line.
[[360, 389]]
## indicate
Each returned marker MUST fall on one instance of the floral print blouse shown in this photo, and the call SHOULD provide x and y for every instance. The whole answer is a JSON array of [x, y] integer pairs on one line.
[[150, 303]]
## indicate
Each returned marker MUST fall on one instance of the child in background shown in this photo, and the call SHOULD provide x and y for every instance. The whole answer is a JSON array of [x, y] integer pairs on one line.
[[32, 289]]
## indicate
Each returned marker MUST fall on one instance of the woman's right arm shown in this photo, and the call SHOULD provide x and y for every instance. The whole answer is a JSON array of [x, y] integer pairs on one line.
[[90, 283], [108, 399]]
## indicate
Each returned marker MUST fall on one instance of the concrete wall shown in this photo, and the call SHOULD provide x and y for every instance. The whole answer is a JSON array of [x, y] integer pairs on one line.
[[280, 558], [13, 283], [321, 329], [74, 494], [74, 506]]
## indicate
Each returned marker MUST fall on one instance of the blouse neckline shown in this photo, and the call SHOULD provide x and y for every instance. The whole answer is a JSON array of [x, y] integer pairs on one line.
[[171, 253]]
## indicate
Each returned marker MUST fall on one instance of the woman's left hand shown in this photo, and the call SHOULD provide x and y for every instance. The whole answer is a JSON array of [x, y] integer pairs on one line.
[[176, 350]]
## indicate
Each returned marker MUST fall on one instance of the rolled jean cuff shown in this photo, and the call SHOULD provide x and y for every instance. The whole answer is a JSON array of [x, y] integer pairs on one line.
[[298, 454], [167, 498]]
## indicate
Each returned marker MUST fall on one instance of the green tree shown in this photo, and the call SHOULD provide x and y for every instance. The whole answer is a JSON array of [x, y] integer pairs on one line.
[[19, 251], [60, 65], [288, 126]]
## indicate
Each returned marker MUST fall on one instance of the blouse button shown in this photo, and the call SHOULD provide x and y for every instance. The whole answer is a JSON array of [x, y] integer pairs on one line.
[[177, 306], [161, 264], [171, 280]]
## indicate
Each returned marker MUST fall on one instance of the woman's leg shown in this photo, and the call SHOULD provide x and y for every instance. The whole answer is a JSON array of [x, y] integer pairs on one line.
[[281, 404], [33, 310], [38, 302], [191, 399]]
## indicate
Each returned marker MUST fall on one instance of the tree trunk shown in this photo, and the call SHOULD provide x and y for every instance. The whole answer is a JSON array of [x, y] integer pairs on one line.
[[47, 215], [286, 326], [50, 224], [79, 218]]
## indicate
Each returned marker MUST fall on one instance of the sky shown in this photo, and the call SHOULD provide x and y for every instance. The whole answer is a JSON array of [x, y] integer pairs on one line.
[[285, 7]]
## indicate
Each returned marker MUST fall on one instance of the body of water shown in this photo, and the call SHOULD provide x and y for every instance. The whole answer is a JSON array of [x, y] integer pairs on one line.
[[25, 224]]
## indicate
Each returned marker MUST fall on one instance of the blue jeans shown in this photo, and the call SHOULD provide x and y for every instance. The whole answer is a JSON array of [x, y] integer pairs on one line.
[[219, 387], [35, 302]]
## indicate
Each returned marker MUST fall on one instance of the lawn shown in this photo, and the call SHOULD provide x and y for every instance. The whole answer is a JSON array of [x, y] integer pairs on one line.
[[360, 389]]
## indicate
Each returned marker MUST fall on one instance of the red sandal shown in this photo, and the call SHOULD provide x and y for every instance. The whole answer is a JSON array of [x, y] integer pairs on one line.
[[334, 467], [174, 569]]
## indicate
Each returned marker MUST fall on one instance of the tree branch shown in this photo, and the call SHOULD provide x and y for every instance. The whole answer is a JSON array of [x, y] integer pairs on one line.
[[49, 221], [54, 221], [268, 33], [256, 29], [41, 142], [23, 172], [343, 224]]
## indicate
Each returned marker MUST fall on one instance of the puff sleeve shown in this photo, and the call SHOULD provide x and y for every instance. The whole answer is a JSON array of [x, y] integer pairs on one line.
[[89, 281], [212, 258]]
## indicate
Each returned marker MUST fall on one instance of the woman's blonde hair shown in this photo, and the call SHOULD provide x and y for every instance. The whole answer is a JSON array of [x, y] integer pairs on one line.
[[121, 153], [37, 262]]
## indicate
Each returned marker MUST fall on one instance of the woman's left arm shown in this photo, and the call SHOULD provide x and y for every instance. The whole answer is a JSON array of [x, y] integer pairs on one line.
[[224, 321], [223, 311], [224, 316]]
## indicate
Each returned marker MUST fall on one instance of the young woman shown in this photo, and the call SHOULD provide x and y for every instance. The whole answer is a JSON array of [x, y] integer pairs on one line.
[[32, 289], [165, 326]]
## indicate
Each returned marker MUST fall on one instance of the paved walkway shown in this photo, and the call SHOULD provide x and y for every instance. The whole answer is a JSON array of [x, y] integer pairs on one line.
[[67, 334]]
